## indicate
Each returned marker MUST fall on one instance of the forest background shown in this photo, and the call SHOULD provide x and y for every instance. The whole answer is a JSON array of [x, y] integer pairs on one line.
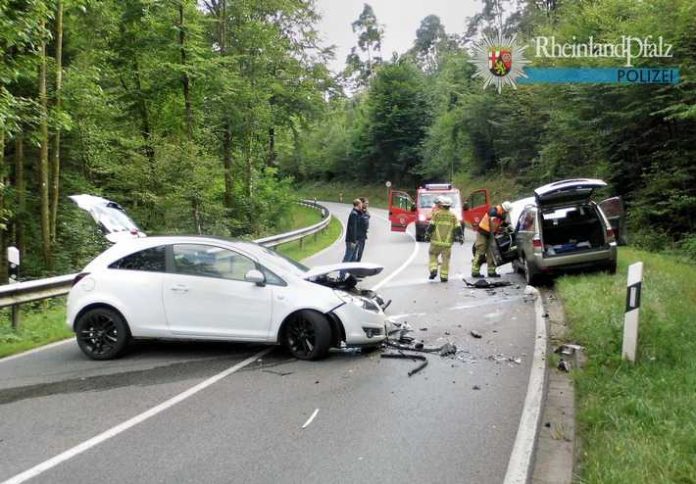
[[208, 116]]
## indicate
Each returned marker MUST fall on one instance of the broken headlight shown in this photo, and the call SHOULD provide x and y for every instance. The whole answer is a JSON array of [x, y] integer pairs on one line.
[[363, 302]]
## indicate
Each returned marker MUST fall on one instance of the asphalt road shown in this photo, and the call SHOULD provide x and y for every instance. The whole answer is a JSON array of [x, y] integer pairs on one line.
[[455, 421]]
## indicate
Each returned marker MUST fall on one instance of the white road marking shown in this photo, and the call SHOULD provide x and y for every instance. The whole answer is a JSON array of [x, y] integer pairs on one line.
[[36, 350], [309, 420], [402, 267], [114, 431], [520, 463]]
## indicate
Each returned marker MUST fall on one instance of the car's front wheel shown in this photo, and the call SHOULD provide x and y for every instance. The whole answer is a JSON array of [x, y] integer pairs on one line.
[[307, 335], [102, 333]]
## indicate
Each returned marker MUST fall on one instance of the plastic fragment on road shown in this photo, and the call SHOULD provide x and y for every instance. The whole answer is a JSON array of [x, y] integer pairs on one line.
[[475, 334], [485, 284], [448, 349], [402, 355]]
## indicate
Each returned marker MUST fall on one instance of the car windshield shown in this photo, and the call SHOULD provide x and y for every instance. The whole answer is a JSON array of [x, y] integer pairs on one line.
[[427, 200]]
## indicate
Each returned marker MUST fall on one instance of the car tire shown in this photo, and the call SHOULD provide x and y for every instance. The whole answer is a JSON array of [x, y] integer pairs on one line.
[[611, 268], [530, 274], [420, 235], [102, 333], [307, 335]]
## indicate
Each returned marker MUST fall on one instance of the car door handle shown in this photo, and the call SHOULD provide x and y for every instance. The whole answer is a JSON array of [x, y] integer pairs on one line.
[[179, 288]]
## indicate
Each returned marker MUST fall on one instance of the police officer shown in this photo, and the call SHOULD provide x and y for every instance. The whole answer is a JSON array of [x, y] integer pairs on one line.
[[443, 230], [490, 224]]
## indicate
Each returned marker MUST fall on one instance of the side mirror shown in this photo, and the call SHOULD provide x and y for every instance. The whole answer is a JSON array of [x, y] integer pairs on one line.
[[465, 206], [256, 277]]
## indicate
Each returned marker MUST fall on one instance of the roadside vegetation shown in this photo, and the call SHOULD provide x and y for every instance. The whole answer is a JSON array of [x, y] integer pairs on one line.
[[637, 423], [44, 322]]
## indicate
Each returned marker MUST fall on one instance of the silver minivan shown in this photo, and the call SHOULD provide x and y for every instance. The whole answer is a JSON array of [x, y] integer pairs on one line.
[[561, 229]]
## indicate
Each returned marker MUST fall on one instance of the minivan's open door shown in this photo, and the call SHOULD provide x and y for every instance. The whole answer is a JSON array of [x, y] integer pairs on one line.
[[477, 205], [401, 210], [613, 208]]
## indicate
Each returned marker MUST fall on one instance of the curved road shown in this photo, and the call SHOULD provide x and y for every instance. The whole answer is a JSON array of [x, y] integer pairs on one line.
[[365, 419]]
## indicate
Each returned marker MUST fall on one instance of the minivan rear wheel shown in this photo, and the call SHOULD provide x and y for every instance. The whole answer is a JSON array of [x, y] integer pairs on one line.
[[530, 275]]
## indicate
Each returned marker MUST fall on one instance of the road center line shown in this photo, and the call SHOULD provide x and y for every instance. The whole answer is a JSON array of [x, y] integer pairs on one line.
[[309, 420], [114, 431], [403, 266]]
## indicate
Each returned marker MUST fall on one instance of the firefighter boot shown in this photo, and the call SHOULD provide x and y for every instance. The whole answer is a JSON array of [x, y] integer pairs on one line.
[[432, 275]]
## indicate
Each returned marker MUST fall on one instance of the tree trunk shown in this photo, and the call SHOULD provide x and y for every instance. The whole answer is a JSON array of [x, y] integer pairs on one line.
[[227, 126], [21, 189], [227, 163], [185, 81], [4, 232], [43, 162], [271, 147], [55, 159]]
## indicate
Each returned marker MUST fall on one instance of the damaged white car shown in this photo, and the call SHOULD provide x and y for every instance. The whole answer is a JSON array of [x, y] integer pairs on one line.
[[207, 288]]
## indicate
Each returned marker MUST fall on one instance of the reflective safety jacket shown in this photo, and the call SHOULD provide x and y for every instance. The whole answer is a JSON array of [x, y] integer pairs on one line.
[[491, 222], [444, 228]]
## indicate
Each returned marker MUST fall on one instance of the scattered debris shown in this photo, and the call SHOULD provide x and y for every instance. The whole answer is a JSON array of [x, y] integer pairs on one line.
[[409, 357], [279, 373], [476, 387], [502, 358], [485, 284], [309, 420], [447, 333], [547, 425], [418, 346], [476, 334], [572, 356], [448, 349], [424, 329]]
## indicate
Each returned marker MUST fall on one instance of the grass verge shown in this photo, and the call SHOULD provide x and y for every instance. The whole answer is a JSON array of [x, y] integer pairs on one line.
[[332, 191], [314, 243], [40, 324], [637, 423], [44, 322]]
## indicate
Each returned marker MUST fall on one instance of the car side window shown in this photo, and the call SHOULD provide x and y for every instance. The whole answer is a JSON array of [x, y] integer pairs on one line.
[[526, 223], [211, 261], [148, 260]]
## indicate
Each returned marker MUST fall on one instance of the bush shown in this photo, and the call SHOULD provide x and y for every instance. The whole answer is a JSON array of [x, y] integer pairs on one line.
[[687, 246]]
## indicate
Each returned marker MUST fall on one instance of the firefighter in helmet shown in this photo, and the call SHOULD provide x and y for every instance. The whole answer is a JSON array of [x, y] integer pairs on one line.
[[490, 224], [443, 230]]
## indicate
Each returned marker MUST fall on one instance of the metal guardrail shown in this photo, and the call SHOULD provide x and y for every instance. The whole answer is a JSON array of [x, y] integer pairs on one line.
[[24, 292]]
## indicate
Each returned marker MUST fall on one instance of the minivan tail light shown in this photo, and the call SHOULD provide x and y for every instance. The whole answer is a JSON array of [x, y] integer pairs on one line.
[[536, 243], [610, 236], [79, 277]]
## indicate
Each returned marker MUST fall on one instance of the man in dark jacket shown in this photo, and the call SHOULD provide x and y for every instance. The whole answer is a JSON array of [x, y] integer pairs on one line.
[[363, 227], [352, 231]]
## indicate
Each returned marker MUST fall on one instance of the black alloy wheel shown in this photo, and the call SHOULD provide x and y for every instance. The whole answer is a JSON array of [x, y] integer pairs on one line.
[[308, 336], [102, 333]]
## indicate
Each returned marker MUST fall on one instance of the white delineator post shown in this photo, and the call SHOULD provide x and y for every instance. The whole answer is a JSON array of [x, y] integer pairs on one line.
[[630, 340]]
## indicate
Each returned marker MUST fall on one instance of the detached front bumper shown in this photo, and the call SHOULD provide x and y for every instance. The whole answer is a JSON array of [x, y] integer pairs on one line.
[[362, 327]]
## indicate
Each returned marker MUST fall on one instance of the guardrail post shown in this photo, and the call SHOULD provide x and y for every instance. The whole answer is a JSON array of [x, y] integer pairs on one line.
[[13, 260], [630, 336]]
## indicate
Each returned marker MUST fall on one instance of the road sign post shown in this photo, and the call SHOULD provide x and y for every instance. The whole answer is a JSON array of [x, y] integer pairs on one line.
[[630, 339], [13, 262]]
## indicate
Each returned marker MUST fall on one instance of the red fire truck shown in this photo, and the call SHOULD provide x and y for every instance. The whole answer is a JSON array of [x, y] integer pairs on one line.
[[403, 210]]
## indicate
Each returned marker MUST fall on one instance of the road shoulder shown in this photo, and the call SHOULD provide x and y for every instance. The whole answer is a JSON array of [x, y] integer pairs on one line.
[[555, 449]]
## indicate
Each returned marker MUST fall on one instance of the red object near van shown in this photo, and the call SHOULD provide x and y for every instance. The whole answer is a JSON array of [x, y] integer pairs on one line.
[[404, 210]]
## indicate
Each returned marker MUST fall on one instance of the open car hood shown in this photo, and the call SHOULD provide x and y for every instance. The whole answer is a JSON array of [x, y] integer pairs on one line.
[[109, 216], [567, 191], [356, 269]]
